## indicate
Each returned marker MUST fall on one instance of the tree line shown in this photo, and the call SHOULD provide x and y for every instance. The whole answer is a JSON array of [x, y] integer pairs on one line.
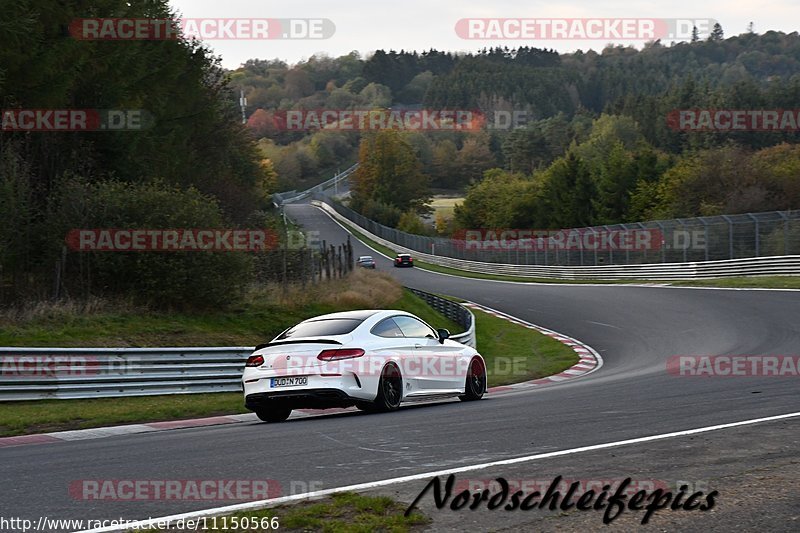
[[194, 166], [595, 146]]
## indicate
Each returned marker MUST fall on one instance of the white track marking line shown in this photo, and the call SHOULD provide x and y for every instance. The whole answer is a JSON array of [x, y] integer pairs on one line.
[[375, 484], [603, 324], [262, 504]]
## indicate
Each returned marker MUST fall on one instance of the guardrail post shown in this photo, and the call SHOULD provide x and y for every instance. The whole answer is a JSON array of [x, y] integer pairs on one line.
[[643, 228], [610, 249], [683, 227], [663, 241], [730, 235], [705, 229], [785, 232], [546, 246], [757, 235]]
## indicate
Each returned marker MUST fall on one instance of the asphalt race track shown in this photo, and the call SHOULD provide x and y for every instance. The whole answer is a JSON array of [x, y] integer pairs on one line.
[[635, 329]]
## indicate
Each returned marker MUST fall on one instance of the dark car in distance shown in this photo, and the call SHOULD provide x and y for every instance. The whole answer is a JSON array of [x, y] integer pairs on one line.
[[403, 260]]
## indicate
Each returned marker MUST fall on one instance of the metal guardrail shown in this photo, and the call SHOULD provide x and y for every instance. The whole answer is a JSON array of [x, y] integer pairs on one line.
[[701, 244], [455, 312], [278, 199], [714, 238], [754, 266], [73, 373]]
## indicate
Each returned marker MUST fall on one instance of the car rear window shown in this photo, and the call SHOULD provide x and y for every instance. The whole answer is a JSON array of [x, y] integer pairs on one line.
[[387, 328], [321, 328], [411, 327]]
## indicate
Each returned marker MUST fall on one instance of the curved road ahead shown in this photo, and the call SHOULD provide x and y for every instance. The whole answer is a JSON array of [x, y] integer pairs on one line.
[[635, 329]]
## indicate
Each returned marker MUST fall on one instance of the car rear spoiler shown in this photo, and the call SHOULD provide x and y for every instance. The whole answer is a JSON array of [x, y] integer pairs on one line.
[[303, 341]]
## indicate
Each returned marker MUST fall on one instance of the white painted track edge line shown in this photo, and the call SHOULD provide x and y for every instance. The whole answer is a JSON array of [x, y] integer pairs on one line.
[[262, 504]]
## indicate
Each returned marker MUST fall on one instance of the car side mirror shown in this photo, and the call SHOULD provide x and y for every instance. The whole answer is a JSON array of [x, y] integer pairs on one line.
[[443, 335]]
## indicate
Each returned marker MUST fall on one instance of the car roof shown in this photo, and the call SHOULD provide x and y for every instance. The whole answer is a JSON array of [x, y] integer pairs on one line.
[[403, 255], [367, 317], [382, 314], [352, 315], [365, 257]]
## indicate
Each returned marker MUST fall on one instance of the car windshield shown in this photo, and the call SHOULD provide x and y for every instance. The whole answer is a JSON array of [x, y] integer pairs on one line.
[[321, 328]]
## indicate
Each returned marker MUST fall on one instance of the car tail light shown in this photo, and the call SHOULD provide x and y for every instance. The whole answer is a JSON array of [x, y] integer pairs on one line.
[[336, 355], [254, 360]]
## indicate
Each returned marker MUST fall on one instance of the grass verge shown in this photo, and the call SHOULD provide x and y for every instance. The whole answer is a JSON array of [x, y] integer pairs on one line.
[[43, 416], [251, 323], [342, 513], [444, 206], [513, 353], [260, 316], [745, 282]]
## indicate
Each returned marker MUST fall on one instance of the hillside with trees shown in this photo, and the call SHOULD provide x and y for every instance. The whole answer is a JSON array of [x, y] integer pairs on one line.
[[193, 165], [596, 145]]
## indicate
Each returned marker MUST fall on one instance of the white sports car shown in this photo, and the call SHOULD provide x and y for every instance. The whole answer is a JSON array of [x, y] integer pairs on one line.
[[374, 360]]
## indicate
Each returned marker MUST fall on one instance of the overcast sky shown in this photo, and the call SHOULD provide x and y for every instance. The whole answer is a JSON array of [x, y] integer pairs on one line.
[[422, 24]]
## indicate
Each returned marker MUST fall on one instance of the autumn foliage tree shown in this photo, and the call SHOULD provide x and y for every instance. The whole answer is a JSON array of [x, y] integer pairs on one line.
[[389, 174]]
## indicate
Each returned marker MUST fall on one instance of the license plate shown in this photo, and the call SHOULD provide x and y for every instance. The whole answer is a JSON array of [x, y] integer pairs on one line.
[[288, 382]]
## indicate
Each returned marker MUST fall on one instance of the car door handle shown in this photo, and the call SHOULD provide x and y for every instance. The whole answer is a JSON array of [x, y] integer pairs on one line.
[[418, 346]]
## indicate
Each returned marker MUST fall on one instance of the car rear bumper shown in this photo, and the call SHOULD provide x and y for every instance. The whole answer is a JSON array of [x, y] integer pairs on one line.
[[300, 399], [321, 391]]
